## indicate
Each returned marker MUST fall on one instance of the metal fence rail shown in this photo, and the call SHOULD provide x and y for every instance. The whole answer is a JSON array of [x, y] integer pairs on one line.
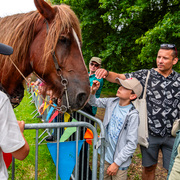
[[84, 121], [102, 138]]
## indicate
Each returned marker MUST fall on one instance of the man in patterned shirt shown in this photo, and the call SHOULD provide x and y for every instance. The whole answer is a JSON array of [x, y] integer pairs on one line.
[[163, 106]]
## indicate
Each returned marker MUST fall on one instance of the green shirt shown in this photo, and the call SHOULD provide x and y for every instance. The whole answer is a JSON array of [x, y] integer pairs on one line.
[[98, 92]]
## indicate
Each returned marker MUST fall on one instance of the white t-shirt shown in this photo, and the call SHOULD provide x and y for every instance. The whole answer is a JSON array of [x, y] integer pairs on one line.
[[113, 129], [11, 138]]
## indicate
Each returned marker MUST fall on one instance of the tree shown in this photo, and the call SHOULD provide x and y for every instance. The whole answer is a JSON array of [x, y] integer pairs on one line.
[[166, 30], [136, 41], [126, 34], [94, 30]]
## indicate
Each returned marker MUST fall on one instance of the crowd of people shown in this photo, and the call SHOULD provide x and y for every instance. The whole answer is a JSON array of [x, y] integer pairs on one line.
[[121, 119], [163, 106]]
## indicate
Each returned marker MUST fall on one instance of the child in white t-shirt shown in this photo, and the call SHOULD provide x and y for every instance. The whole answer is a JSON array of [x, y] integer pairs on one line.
[[11, 131], [121, 122]]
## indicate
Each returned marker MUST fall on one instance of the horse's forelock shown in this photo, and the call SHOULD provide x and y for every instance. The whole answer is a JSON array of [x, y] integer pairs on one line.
[[65, 19], [71, 19]]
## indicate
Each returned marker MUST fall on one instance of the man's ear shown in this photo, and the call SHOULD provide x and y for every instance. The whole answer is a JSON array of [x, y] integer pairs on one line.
[[133, 96], [175, 60]]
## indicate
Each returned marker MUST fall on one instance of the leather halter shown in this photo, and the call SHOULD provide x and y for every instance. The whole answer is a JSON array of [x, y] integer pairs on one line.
[[64, 81]]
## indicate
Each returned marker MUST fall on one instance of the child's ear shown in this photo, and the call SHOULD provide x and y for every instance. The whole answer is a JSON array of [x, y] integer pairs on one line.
[[133, 96]]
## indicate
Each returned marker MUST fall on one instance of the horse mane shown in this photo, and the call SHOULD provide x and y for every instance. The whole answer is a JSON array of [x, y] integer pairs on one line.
[[63, 22], [18, 31]]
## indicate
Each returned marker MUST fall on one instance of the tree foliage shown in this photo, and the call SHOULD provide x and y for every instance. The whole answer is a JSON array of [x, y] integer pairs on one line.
[[126, 34]]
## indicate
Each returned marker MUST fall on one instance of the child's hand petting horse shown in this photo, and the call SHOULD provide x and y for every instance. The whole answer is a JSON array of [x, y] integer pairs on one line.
[[95, 87]]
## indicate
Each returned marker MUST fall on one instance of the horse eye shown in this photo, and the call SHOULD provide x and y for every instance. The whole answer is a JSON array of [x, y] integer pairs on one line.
[[63, 40]]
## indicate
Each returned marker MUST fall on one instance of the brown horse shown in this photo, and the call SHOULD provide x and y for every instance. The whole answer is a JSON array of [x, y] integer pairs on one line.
[[48, 42]]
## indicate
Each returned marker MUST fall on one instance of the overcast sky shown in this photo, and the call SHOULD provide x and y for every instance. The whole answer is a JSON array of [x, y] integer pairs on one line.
[[9, 7]]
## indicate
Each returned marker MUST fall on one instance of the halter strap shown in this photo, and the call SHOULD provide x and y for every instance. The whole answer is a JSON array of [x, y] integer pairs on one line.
[[64, 81], [58, 69]]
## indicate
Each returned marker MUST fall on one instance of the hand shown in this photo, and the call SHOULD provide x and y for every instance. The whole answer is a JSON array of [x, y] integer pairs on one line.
[[101, 73], [21, 125], [95, 86], [112, 169], [41, 108]]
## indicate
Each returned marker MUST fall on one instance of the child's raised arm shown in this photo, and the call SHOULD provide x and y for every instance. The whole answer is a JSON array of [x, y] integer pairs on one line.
[[95, 87]]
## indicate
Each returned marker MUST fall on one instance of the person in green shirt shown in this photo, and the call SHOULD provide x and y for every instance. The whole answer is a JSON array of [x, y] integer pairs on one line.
[[94, 64]]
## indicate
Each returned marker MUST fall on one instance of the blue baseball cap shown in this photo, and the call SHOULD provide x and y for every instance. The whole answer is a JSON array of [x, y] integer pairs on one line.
[[5, 49]]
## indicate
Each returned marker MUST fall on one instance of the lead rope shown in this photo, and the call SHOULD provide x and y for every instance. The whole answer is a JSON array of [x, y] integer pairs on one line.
[[55, 107]]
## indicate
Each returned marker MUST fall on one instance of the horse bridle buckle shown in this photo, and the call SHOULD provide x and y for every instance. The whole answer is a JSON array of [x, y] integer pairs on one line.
[[62, 109]]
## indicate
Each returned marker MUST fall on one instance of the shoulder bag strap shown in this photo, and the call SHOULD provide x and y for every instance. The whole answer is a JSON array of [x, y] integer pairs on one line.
[[145, 87]]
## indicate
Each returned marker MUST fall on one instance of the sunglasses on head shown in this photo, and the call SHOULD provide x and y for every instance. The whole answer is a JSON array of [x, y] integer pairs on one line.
[[169, 46], [92, 64]]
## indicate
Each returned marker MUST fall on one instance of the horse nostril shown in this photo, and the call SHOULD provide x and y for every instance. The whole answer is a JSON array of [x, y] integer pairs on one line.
[[81, 99]]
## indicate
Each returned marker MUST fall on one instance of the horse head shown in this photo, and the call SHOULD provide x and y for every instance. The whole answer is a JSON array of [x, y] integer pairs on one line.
[[47, 42], [55, 54]]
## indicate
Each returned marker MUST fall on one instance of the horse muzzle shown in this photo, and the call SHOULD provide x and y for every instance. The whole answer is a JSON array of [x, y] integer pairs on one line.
[[74, 101]]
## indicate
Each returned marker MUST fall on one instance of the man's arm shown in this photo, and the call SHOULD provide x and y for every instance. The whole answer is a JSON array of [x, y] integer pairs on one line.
[[109, 76], [23, 151]]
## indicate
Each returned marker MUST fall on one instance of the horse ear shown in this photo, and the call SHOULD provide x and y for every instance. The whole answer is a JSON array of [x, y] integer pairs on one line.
[[45, 10]]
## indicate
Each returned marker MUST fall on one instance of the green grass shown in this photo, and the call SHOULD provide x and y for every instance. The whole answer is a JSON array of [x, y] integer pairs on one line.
[[25, 170]]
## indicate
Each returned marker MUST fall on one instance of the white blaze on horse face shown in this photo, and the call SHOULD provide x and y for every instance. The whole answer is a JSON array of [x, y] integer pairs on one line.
[[78, 43]]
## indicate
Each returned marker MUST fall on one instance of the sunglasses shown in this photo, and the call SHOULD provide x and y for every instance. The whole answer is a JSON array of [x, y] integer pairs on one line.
[[96, 65], [169, 46]]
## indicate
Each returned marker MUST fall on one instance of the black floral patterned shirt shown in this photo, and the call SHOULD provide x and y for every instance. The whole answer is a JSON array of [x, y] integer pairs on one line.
[[163, 100]]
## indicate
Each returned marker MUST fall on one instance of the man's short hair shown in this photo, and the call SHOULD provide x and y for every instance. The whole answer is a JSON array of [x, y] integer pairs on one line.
[[170, 47]]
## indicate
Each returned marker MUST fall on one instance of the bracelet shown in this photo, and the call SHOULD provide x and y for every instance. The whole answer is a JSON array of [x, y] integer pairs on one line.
[[107, 73]]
